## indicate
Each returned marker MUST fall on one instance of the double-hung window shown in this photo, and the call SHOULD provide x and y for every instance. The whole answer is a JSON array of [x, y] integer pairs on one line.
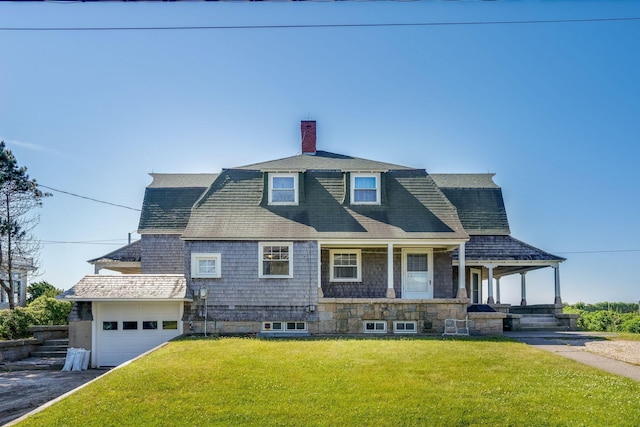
[[283, 189], [365, 189], [205, 265], [275, 260], [345, 265]]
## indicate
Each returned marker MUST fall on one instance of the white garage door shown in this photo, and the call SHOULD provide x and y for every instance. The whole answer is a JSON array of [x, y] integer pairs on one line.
[[125, 330]]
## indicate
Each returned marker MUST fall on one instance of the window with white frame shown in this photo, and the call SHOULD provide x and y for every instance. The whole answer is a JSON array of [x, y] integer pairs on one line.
[[404, 327], [283, 189], [275, 260], [346, 265], [284, 327], [205, 265], [374, 327], [365, 189]]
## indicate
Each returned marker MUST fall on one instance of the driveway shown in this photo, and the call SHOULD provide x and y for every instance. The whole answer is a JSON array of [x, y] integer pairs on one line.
[[590, 348], [23, 391]]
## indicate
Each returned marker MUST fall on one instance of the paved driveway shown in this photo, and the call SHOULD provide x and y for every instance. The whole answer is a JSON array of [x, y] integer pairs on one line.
[[23, 391]]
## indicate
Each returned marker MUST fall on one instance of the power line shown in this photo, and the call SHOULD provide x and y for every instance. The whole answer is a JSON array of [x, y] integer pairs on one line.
[[304, 26], [89, 198], [599, 252]]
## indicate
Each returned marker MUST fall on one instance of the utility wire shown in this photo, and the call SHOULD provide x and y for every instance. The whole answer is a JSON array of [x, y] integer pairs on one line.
[[89, 198], [302, 26]]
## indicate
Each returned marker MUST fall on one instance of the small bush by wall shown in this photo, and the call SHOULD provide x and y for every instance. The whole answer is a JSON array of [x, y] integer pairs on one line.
[[14, 324]]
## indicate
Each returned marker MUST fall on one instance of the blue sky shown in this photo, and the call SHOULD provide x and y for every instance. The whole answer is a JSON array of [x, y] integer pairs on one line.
[[551, 108]]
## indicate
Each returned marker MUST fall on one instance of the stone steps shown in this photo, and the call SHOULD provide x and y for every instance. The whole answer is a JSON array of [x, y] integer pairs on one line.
[[537, 322], [52, 349]]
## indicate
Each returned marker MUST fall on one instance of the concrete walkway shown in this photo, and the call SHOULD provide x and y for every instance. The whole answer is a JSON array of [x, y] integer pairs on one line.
[[572, 345]]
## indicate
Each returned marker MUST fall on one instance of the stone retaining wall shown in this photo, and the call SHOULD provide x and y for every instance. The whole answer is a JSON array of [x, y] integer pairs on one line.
[[50, 332], [13, 350]]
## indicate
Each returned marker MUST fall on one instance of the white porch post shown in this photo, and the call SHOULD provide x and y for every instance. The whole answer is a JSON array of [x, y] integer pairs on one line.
[[320, 293], [490, 299], [523, 288], [462, 273], [558, 299], [497, 290], [391, 293]]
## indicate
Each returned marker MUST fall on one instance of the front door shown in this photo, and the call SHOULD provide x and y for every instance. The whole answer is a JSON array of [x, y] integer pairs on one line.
[[417, 273]]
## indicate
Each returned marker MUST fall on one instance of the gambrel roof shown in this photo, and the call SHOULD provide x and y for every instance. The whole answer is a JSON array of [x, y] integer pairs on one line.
[[168, 200], [478, 200], [235, 207]]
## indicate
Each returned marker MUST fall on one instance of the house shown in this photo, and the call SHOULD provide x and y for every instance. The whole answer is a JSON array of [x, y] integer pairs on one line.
[[316, 243], [21, 269]]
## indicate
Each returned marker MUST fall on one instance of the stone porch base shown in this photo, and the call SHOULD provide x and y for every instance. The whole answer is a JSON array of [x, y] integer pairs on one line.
[[346, 316]]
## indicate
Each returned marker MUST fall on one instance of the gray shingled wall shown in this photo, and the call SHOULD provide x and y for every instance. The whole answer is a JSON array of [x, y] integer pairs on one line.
[[240, 295], [162, 254], [443, 285], [374, 276]]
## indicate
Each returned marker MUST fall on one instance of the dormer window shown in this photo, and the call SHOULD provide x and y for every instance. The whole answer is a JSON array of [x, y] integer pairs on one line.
[[365, 189], [283, 189]]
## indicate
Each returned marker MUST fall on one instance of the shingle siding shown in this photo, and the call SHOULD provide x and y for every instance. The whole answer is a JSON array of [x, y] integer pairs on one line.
[[162, 254], [443, 286], [374, 276], [240, 295]]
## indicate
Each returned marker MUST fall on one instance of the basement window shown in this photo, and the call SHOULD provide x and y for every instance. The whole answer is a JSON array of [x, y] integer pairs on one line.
[[405, 327], [375, 327], [284, 326]]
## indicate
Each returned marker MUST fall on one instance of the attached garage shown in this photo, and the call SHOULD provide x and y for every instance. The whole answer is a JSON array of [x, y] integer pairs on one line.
[[129, 314]]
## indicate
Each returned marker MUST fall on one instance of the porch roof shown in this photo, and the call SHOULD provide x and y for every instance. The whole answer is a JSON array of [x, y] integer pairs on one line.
[[504, 250], [138, 287]]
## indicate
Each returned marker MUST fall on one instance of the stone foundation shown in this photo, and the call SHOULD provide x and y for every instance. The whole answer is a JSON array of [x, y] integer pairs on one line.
[[346, 316]]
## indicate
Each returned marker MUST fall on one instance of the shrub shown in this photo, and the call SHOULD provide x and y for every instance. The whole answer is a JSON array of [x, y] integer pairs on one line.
[[49, 311], [14, 324]]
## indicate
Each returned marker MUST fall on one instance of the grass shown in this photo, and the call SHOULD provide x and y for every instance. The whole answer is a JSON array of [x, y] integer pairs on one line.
[[407, 382]]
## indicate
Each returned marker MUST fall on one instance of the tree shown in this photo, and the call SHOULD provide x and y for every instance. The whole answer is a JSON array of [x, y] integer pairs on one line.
[[19, 195], [38, 289]]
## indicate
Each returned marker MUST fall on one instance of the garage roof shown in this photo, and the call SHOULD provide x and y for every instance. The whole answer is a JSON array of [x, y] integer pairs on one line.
[[138, 287]]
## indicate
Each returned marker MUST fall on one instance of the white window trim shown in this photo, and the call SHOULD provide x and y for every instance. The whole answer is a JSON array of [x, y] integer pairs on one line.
[[295, 188], [198, 256], [353, 189], [284, 327], [375, 331], [358, 253], [261, 245], [404, 331]]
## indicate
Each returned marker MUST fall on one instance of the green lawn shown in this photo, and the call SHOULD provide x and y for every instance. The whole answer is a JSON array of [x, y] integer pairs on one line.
[[345, 382]]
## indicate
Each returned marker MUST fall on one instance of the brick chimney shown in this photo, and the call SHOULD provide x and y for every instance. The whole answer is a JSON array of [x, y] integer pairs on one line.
[[308, 131]]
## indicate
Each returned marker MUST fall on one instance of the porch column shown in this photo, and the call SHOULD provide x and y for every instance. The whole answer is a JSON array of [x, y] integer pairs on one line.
[[523, 288], [490, 299], [558, 299], [391, 293], [320, 293], [497, 290], [462, 273]]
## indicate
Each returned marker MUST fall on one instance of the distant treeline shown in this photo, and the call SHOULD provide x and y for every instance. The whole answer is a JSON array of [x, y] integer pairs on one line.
[[607, 316]]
